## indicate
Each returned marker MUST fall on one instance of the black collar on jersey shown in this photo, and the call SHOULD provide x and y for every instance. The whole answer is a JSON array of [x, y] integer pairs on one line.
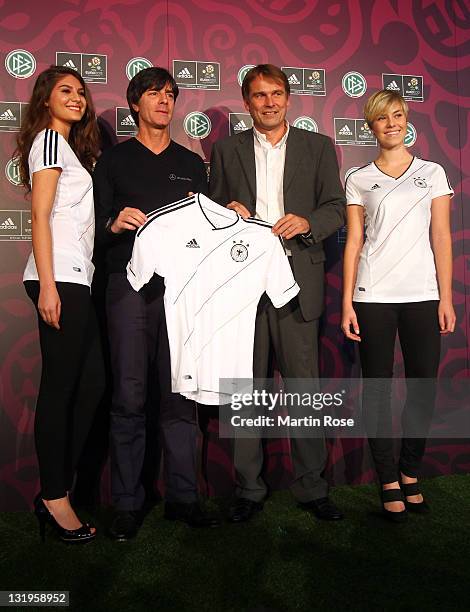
[[395, 177]]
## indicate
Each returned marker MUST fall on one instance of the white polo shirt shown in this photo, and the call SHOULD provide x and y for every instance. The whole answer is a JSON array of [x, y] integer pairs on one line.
[[72, 217], [216, 266], [396, 263]]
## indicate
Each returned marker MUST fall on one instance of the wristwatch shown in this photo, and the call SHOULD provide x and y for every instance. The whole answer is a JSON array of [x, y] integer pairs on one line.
[[107, 227]]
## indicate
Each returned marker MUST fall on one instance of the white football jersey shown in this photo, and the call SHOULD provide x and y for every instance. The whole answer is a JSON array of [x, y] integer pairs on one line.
[[216, 266], [396, 263], [72, 218]]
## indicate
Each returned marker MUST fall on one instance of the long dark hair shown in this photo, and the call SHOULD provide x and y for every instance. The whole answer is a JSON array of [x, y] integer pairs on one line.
[[84, 135]]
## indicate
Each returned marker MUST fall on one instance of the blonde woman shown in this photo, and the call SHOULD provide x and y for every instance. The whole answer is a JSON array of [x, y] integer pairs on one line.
[[397, 280]]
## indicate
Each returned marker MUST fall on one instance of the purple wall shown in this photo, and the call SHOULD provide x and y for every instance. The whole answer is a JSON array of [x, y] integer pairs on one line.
[[399, 37]]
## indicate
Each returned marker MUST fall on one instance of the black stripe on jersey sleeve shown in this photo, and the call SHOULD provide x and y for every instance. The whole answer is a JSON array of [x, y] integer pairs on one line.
[[354, 172], [49, 148], [189, 199], [46, 136], [438, 164], [56, 145], [162, 212], [260, 222], [289, 288]]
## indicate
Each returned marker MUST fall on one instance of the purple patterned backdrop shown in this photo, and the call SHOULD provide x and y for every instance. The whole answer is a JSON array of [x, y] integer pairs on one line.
[[400, 37]]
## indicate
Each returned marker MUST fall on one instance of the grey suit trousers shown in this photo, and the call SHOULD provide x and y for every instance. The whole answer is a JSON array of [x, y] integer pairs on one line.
[[294, 342]]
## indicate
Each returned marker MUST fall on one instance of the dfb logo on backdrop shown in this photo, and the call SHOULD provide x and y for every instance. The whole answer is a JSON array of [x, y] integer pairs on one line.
[[92, 66], [239, 122], [11, 115], [20, 64], [306, 123], [135, 65], [196, 74], [12, 171], [409, 86], [411, 135], [355, 132], [125, 124], [242, 72], [354, 84], [15, 225], [197, 125], [306, 81]]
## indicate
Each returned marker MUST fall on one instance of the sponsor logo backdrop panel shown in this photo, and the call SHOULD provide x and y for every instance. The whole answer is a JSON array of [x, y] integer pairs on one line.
[[333, 66]]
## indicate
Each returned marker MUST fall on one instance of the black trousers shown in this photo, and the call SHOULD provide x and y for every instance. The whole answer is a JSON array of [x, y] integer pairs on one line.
[[294, 342], [417, 325], [72, 384], [140, 355]]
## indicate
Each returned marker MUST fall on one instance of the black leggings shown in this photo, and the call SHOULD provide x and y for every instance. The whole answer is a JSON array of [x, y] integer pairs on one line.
[[417, 325], [72, 384]]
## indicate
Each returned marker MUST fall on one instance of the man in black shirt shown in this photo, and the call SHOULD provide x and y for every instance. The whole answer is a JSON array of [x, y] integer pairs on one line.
[[131, 180]]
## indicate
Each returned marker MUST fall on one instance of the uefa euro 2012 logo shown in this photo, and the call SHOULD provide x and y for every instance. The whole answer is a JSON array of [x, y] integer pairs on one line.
[[413, 84], [95, 64], [315, 77]]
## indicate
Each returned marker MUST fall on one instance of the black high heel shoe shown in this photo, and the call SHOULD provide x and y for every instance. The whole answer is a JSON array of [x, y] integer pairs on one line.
[[76, 536], [391, 495], [412, 488]]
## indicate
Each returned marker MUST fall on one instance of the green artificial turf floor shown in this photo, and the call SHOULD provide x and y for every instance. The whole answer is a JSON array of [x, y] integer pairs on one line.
[[282, 560]]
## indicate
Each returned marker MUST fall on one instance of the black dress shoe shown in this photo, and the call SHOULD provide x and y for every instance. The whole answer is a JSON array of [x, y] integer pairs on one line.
[[191, 514], [124, 526], [323, 508], [243, 510]]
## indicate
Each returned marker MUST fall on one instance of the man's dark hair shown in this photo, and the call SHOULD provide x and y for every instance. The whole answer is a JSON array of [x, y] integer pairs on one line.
[[265, 70], [148, 78]]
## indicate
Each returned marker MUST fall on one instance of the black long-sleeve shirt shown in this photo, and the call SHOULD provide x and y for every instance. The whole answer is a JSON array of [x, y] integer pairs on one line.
[[129, 174]]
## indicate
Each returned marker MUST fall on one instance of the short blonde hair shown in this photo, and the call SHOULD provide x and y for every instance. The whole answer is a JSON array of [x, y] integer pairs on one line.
[[379, 102]]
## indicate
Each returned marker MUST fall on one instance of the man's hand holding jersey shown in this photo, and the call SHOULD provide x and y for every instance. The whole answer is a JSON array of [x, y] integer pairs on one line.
[[291, 225], [128, 219], [288, 226]]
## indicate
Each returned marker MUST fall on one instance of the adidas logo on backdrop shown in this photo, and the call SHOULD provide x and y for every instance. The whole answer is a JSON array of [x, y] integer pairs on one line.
[[8, 115], [185, 74]]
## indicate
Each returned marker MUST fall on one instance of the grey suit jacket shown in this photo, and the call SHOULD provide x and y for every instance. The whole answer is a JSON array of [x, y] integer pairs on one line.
[[312, 189]]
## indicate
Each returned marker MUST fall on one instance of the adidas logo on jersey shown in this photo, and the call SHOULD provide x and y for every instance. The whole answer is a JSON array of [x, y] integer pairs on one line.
[[70, 64], [240, 126], [393, 86], [293, 80], [192, 244], [8, 115], [185, 74], [345, 131], [8, 224], [128, 120], [376, 186]]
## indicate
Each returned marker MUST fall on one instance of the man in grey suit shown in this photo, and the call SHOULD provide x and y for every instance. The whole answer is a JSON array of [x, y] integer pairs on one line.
[[290, 178]]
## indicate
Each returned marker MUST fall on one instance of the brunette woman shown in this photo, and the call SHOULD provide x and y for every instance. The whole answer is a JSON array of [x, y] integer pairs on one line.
[[57, 147]]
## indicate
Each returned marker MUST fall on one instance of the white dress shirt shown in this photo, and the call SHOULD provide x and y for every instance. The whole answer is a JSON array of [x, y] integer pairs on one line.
[[270, 160]]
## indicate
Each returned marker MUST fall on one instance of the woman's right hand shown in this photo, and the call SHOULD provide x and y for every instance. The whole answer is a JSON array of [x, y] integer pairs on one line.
[[349, 320], [49, 305]]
